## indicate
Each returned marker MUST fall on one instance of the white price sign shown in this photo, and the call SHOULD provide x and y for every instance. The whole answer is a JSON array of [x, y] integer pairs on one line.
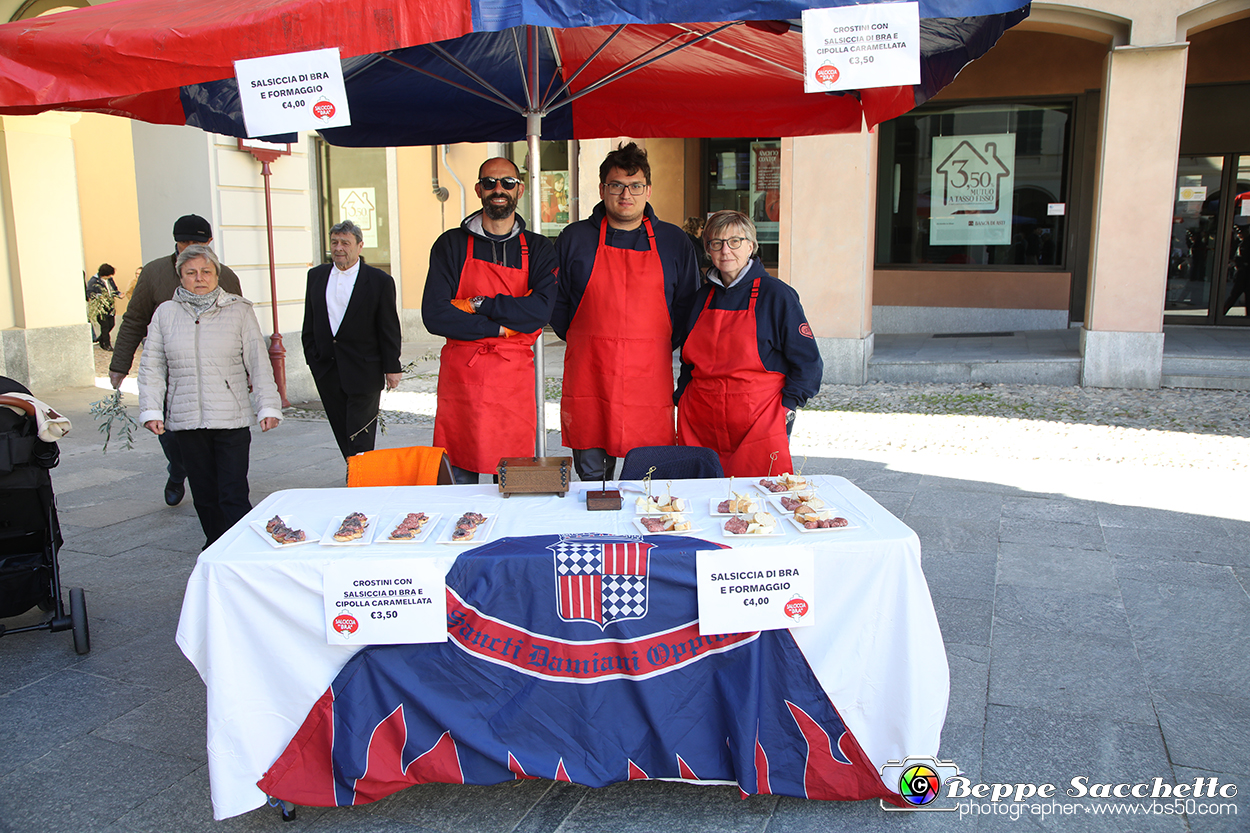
[[755, 589], [385, 601], [289, 93], [857, 47]]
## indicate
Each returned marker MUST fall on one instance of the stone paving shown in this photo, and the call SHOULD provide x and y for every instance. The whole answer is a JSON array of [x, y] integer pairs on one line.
[[1092, 598]]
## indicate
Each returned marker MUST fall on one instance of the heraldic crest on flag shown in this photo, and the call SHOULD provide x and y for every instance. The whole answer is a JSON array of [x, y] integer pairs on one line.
[[518, 690], [600, 578]]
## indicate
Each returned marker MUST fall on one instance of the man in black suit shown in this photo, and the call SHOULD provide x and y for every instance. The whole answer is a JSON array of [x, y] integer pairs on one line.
[[351, 338]]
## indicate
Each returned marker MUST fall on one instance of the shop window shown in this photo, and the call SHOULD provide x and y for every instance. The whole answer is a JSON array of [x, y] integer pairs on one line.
[[745, 175], [975, 185], [554, 184]]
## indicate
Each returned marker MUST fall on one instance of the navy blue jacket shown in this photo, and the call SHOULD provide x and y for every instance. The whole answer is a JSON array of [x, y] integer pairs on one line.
[[525, 314], [576, 249], [781, 331]]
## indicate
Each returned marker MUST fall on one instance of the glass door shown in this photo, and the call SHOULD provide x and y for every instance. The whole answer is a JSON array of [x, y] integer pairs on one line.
[[1195, 233], [352, 185], [1234, 307], [1210, 247]]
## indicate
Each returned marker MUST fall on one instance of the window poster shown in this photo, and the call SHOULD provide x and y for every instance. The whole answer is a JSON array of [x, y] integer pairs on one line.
[[360, 206], [766, 190], [973, 180], [555, 200]]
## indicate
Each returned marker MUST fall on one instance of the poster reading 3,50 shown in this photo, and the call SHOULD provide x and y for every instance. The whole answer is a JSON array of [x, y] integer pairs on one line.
[[973, 179]]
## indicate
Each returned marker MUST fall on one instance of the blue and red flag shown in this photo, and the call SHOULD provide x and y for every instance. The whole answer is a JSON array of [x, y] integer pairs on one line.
[[523, 689]]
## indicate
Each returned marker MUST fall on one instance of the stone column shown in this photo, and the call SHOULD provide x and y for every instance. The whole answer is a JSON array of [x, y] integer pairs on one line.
[[45, 336], [1143, 96], [828, 199]]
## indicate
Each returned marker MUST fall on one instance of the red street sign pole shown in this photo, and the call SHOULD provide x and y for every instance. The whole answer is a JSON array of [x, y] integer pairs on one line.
[[267, 153]]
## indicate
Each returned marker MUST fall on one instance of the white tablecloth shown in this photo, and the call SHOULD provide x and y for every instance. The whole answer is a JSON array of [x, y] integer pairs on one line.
[[254, 627]]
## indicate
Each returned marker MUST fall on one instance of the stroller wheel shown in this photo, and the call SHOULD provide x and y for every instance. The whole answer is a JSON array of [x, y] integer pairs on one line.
[[78, 615]]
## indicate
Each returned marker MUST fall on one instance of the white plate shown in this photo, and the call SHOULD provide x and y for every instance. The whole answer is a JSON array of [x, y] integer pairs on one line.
[[328, 539], [639, 511], [259, 526], [713, 507], [481, 536], [808, 488], [645, 531], [806, 531], [383, 535], [777, 504], [777, 532]]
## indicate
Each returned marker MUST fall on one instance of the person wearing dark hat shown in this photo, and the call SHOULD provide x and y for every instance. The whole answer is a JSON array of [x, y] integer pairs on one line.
[[156, 285]]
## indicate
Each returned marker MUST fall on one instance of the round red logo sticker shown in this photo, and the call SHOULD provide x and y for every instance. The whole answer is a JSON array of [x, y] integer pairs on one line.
[[796, 608], [323, 110], [827, 74], [805, 330], [346, 624]]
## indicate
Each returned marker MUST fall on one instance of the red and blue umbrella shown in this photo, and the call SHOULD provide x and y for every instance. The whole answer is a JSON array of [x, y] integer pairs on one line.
[[431, 73]]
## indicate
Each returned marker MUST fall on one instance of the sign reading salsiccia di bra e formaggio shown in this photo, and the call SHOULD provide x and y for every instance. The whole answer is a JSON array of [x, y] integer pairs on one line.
[[862, 46], [289, 93]]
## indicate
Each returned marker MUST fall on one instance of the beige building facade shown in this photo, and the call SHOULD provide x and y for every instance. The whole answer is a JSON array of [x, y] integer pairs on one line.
[[1112, 139]]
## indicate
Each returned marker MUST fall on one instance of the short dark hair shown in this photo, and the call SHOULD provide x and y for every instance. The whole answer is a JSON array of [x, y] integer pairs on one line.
[[105, 270], [348, 227], [629, 158], [504, 158]]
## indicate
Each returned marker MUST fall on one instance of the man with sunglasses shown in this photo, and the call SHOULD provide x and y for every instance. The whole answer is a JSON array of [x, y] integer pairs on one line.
[[489, 291], [627, 287]]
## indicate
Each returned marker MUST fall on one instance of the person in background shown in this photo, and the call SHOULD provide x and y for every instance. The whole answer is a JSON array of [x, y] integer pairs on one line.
[[155, 285], [693, 227], [101, 285], [204, 347], [626, 286], [351, 338], [1240, 267], [750, 358], [489, 291]]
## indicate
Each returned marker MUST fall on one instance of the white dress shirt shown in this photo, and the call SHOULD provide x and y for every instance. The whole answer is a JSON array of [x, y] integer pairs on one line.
[[339, 288]]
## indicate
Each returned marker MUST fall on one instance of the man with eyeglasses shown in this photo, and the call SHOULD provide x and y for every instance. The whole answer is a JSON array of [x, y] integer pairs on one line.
[[489, 291], [626, 289]]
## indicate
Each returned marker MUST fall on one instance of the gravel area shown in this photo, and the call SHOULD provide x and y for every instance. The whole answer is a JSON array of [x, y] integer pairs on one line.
[[1171, 427], [1179, 428]]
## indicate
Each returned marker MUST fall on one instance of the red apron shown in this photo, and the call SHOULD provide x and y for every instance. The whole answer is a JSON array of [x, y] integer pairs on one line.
[[618, 366], [486, 387], [732, 404]]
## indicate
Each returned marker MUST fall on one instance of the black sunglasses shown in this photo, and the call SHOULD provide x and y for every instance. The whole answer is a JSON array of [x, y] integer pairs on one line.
[[509, 183]]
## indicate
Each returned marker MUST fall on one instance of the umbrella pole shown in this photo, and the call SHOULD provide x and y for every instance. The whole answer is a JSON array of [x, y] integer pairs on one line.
[[533, 131]]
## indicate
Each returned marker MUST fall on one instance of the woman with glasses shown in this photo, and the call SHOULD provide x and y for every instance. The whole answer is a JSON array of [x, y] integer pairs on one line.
[[750, 359]]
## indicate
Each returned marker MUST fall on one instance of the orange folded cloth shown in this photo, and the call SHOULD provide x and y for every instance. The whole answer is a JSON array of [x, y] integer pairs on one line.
[[416, 465]]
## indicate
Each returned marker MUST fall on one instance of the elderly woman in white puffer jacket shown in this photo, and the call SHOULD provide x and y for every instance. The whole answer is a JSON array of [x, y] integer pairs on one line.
[[203, 347]]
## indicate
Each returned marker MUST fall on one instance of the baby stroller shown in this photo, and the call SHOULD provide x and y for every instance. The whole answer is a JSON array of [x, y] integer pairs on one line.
[[30, 534]]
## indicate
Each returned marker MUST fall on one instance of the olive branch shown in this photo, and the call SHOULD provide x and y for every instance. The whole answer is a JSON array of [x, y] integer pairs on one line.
[[99, 306], [110, 413]]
